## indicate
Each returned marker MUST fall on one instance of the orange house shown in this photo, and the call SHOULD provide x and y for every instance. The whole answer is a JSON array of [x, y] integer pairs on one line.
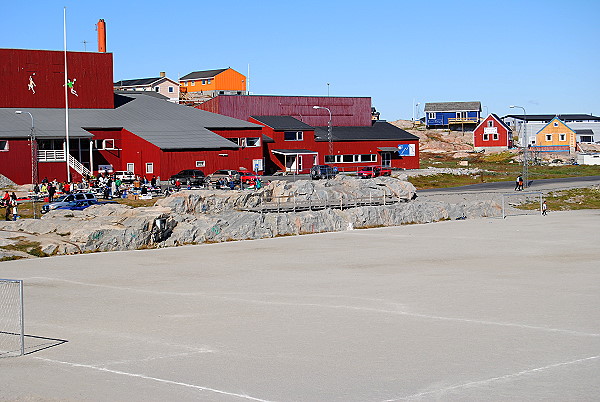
[[225, 81], [556, 136]]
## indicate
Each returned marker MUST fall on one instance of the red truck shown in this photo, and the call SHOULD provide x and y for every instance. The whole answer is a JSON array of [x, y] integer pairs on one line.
[[368, 172]]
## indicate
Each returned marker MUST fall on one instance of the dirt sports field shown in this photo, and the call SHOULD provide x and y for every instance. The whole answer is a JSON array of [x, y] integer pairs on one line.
[[486, 309]]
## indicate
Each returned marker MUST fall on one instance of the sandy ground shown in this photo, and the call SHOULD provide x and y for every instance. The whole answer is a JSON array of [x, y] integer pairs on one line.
[[488, 309]]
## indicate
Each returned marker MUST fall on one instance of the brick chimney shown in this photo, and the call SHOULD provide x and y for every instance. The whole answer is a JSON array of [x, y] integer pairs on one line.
[[163, 74]]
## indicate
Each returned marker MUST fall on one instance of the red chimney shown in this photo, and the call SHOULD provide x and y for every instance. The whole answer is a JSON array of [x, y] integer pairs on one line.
[[101, 36]]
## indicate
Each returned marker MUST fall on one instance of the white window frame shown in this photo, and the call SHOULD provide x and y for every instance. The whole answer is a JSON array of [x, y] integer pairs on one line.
[[562, 137], [490, 123], [149, 167], [157, 89], [486, 137], [256, 144], [131, 167], [200, 164], [495, 136], [108, 143], [549, 137], [298, 134], [5, 147], [431, 115], [171, 89]]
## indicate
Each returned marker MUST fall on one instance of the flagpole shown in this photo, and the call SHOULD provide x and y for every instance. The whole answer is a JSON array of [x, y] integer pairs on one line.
[[67, 150]]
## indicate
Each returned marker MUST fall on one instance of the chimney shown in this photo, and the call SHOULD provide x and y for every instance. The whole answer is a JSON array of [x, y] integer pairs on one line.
[[163, 74], [101, 36]]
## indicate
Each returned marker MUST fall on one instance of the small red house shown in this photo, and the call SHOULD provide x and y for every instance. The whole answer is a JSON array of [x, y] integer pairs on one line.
[[492, 134]]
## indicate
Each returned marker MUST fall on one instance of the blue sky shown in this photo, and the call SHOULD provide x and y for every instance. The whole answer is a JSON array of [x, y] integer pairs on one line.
[[541, 55]]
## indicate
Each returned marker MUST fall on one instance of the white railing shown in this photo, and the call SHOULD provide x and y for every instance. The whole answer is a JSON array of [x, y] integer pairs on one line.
[[52, 155], [79, 168]]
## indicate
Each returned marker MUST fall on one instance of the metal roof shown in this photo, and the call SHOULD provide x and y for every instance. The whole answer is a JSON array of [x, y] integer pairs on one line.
[[452, 106], [548, 117], [202, 74], [387, 149], [137, 82], [283, 123], [164, 124], [585, 131], [378, 131]]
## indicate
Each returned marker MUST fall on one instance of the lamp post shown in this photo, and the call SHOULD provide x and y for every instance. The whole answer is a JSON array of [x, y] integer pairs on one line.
[[33, 156], [329, 129], [525, 145]]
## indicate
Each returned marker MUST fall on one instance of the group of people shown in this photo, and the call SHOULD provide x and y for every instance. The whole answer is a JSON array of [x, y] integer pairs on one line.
[[519, 187], [9, 202]]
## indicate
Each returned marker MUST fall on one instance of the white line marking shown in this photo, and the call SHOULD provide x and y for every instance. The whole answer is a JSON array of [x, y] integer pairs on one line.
[[218, 391], [396, 312], [483, 382]]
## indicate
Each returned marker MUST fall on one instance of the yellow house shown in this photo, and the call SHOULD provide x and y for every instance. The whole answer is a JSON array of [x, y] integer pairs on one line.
[[225, 81], [556, 134]]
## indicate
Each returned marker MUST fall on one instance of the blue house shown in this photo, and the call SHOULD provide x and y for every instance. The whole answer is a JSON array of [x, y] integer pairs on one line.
[[452, 114]]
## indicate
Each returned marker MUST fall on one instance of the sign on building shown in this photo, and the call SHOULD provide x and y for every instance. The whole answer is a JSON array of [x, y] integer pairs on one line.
[[406, 150]]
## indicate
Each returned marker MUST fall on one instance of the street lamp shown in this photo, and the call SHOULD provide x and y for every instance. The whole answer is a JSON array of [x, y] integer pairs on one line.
[[329, 129], [33, 156], [525, 145]]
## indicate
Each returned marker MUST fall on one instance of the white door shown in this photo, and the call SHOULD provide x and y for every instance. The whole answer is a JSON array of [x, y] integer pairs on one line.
[[386, 159]]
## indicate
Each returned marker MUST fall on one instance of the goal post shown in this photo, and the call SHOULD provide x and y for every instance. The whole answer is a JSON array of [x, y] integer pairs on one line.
[[12, 324], [521, 197]]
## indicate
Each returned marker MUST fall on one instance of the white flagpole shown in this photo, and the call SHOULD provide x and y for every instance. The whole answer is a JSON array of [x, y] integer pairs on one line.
[[67, 150]]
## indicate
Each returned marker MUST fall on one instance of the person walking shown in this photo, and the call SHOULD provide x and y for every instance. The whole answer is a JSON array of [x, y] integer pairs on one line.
[[15, 206], [544, 208], [518, 183]]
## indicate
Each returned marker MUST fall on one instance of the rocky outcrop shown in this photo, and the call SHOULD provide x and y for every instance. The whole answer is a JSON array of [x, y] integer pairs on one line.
[[202, 216]]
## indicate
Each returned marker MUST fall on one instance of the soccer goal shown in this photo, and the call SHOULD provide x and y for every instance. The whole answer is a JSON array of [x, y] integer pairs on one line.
[[12, 334], [512, 200]]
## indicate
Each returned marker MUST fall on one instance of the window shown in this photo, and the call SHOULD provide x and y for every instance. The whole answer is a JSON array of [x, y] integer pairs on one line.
[[347, 158], [508, 123], [200, 163], [149, 167], [236, 141], [431, 115], [131, 167], [105, 144], [171, 89], [495, 136], [365, 158], [490, 123], [156, 89], [562, 137], [3, 145], [253, 142], [548, 137], [555, 124], [208, 82], [293, 136], [203, 82], [193, 83], [486, 137]]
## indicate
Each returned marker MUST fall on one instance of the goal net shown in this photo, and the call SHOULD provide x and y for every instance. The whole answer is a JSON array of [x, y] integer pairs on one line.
[[11, 318], [512, 203]]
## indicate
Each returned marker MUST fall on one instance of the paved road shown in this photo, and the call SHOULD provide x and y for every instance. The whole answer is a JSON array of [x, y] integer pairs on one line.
[[534, 185], [486, 309]]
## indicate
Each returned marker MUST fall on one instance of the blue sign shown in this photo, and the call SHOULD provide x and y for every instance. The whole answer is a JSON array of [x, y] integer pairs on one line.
[[406, 149]]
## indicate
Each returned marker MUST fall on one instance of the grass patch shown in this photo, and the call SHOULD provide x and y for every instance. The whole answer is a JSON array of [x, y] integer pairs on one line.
[[136, 203], [30, 247], [568, 200], [11, 258]]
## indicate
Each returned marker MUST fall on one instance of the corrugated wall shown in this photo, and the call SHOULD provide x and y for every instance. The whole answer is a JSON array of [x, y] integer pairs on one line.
[[92, 72]]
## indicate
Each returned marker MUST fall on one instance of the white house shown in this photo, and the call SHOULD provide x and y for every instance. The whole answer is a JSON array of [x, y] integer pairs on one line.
[[162, 85]]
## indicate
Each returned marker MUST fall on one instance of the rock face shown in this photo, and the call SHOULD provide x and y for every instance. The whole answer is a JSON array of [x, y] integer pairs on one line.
[[5, 181], [203, 216]]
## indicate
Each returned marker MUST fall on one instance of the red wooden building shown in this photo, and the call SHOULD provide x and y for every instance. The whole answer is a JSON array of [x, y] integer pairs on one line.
[[492, 134]]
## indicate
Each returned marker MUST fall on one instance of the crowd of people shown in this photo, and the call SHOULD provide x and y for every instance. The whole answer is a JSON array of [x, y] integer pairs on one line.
[[9, 202]]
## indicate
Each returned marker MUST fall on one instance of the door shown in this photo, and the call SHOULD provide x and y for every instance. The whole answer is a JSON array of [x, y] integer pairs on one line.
[[386, 159]]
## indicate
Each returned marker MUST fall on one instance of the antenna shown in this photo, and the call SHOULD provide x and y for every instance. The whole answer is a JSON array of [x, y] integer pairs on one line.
[[85, 42], [248, 81]]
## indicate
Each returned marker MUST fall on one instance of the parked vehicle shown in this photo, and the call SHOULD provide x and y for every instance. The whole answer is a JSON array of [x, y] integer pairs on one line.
[[374, 171], [323, 172], [67, 199], [248, 177], [225, 174], [194, 176], [83, 204], [125, 176]]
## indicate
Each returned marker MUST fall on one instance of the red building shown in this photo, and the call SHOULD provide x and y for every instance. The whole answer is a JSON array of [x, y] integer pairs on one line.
[[345, 111], [295, 146], [492, 135]]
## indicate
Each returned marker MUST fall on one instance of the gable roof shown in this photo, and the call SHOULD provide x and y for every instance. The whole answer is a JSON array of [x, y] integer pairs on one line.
[[551, 121], [585, 131], [281, 123], [147, 93], [140, 82], [202, 74], [378, 131], [164, 124], [452, 106], [495, 117], [547, 117]]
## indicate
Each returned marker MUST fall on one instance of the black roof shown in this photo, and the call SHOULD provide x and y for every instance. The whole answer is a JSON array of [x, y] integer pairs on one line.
[[548, 117], [378, 131], [137, 82], [585, 131], [281, 123], [202, 74]]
